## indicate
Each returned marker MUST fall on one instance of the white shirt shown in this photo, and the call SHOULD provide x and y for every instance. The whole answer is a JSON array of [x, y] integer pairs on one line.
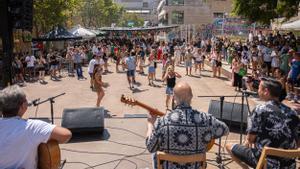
[[30, 61], [92, 64], [250, 37], [95, 50], [20, 140], [267, 54]]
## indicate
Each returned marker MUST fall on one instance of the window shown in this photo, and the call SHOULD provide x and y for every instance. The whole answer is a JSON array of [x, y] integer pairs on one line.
[[177, 17], [145, 5], [218, 15], [175, 2]]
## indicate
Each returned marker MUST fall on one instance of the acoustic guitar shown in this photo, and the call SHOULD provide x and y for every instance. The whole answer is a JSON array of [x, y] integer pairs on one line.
[[49, 155], [154, 111]]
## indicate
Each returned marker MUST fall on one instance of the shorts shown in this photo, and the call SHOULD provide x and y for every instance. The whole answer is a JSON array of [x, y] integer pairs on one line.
[[130, 73], [198, 62], [268, 64], [169, 91], [245, 154], [53, 67], [213, 62], [188, 64], [91, 75], [293, 81], [30, 69], [151, 69], [218, 63]]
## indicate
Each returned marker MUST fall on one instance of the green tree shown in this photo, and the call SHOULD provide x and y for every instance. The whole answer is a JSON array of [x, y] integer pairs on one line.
[[49, 13], [264, 11], [131, 18], [98, 13]]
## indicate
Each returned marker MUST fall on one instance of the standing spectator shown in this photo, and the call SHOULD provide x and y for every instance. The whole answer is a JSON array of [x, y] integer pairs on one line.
[[177, 54], [151, 68], [41, 62], [30, 60], [131, 66], [198, 60], [294, 79], [286, 57], [254, 57], [92, 64], [188, 62], [275, 60], [18, 70], [237, 78], [78, 64], [267, 51], [53, 66]]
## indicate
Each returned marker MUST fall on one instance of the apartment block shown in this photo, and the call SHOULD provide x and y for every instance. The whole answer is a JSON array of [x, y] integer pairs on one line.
[[143, 8], [192, 12]]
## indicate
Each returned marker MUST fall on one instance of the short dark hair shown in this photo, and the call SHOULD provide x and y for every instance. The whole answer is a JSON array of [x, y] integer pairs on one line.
[[273, 85]]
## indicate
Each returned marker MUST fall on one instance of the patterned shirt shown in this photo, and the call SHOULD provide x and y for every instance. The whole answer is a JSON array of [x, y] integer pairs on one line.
[[275, 125], [184, 131]]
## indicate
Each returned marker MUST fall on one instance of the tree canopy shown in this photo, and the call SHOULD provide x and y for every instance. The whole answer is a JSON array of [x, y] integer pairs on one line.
[[89, 13], [264, 11]]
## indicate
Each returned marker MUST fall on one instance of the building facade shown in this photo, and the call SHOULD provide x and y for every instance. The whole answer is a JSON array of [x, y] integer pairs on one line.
[[191, 12], [143, 8]]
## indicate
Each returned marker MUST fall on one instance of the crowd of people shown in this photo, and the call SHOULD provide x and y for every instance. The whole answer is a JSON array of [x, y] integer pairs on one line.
[[268, 64], [260, 56]]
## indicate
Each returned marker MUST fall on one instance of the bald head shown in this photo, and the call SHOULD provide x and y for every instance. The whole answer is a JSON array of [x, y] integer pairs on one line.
[[183, 93]]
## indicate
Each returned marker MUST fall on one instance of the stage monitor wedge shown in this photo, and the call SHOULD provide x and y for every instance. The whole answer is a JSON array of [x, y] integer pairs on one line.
[[231, 113], [82, 120]]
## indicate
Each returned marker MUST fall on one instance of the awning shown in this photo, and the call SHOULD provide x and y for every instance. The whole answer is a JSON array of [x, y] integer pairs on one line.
[[80, 31], [58, 33], [291, 26]]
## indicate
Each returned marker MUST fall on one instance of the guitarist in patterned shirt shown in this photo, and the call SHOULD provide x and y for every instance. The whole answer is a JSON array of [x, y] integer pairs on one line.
[[183, 131]]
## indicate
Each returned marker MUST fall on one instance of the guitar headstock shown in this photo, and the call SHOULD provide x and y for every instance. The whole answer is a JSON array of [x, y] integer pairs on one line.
[[128, 100]]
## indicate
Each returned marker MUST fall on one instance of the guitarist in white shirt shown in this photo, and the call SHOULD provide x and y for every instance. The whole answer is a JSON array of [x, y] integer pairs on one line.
[[20, 138]]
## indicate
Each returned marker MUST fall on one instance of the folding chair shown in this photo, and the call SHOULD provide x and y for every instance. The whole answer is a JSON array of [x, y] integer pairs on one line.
[[181, 159], [268, 151]]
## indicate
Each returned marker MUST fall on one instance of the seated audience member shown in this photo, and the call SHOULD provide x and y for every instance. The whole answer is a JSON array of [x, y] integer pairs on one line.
[[183, 131], [20, 138], [271, 124]]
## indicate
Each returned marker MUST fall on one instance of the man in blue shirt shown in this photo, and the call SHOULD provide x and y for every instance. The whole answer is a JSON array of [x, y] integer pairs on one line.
[[131, 66]]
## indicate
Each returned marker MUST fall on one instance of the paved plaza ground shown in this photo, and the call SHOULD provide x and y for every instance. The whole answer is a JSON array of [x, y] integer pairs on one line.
[[122, 145]]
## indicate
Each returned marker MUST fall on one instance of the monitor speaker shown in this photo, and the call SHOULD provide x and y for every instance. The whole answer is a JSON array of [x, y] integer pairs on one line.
[[231, 112], [83, 120]]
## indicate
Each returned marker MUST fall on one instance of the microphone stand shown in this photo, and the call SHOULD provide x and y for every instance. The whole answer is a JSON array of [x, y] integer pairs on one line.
[[219, 158], [51, 100]]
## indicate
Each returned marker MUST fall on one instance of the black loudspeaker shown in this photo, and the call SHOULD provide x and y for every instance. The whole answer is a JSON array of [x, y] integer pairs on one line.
[[83, 120], [231, 112]]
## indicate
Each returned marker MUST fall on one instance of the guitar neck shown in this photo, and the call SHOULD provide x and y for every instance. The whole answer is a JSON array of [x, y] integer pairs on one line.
[[150, 109]]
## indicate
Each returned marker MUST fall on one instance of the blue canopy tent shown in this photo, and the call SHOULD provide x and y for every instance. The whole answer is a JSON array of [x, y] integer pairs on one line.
[[58, 33]]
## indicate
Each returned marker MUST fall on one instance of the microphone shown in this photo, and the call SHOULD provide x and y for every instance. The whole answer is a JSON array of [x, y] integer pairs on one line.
[[250, 93], [33, 102]]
